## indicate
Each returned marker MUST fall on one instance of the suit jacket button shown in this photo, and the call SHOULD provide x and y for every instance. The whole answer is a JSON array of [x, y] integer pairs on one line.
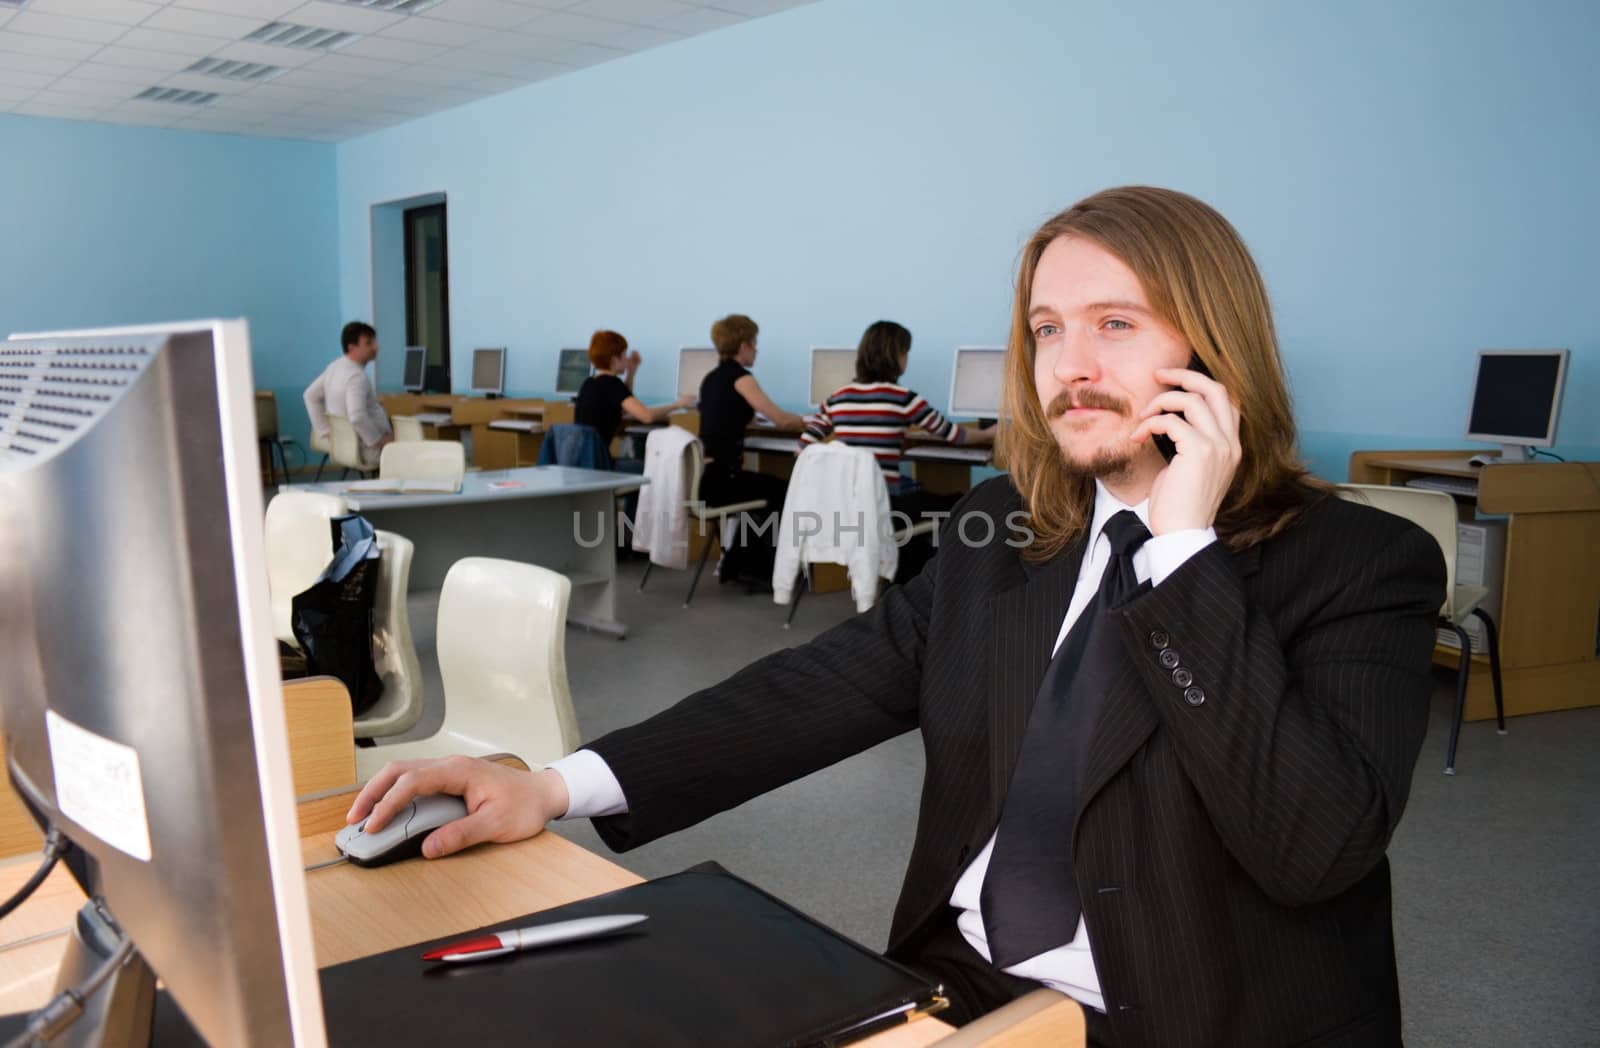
[[1194, 696], [1159, 640], [1182, 677], [1169, 659]]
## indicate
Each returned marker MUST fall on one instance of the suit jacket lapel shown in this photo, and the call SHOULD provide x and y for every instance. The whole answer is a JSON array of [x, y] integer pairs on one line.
[[1128, 715], [1025, 620]]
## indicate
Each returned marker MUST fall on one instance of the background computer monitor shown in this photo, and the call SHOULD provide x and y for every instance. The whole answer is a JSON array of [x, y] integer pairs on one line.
[[416, 372], [489, 371], [976, 377], [694, 364], [831, 367], [1516, 400], [572, 370], [139, 688]]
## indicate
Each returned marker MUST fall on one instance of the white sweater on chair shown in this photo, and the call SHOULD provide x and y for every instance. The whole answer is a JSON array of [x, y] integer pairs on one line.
[[837, 512]]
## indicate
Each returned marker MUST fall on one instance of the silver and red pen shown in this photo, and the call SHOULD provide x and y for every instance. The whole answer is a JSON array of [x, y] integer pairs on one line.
[[500, 943]]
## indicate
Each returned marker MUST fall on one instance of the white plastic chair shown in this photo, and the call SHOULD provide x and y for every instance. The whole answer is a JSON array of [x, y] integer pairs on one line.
[[345, 446], [299, 546], [394, 654], [1435, 513], [423, 460], [322, 444], [694, 462], [406, 428], [502, 655]]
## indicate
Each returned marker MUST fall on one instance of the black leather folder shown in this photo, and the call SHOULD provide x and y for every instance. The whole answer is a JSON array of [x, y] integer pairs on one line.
[[719, 962]]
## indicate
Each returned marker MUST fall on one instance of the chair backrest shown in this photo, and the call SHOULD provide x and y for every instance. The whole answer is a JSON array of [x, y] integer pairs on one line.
[[394, 653], [321, 443], [299, 547], [406, 428], [423, 460], [266, 416], [694, 460], [502, 655], [1433, 511], [344, 446]]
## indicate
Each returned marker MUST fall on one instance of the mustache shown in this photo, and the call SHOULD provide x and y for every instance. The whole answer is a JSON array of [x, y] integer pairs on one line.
[[1085, 398]]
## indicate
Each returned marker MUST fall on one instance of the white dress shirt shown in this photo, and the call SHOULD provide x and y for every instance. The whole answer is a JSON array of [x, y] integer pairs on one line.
[[594, 791], [343, 389]]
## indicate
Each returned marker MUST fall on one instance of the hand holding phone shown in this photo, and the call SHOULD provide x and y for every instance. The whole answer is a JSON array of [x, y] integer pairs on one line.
[[1197, 415], [1163, 442]]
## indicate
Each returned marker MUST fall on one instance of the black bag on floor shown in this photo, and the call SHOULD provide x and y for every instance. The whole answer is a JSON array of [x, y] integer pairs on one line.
[[333, 619]]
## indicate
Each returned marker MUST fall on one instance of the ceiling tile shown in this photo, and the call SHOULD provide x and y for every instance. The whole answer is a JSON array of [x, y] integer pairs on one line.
[[700, 20], [265, 10], [257, 101], [524, 45], [75, 87], [202, 23], [112, 74], [10, 96], [757, 8], [392, 50], [343, 17], [127, 12], [438, 75], [244, 51], [189, 44], [474, 63], [434, 31], [639, 38], [82, 29], [496, 14], [579, 56], [36, 63], [329, 79], [577, 28], [45, 46], [34, 107], [637, 12], [280, 90], [196, 82], [365, 68], [137, 57], [23, 79], [147, 114]]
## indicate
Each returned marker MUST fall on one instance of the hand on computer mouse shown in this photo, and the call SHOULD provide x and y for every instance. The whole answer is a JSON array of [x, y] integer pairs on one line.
[[503, 804]]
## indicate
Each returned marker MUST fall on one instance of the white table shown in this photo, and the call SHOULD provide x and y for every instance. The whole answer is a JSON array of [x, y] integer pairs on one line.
[[557, 517]]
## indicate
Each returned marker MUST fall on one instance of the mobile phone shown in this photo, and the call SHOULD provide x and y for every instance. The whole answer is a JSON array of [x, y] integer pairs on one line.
[[1163, 442]]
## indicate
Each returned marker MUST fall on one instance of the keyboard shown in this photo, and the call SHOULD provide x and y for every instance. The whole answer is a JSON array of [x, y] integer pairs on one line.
[[434, 418], [948, 453], [1464, 486], [521, 425]]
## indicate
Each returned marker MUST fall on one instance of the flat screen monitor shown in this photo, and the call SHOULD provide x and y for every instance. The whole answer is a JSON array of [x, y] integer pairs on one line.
[[831, 367], [694, 364], [139, 689], [416, 368], [489, 371], [975, 380], [1516, 400], [571, 371]]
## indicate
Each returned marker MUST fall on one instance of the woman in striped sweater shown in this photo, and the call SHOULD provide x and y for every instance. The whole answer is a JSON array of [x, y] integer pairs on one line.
[[875, 411]]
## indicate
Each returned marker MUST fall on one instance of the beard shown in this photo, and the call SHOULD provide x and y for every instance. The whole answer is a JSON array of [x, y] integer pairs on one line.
[[1105, 461]]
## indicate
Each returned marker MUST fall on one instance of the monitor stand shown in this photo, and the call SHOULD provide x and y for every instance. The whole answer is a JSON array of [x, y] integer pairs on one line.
[[1516, 453], [120, 1013]]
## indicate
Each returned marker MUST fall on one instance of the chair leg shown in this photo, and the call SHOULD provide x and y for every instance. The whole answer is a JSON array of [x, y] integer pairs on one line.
[[318, 478], [1461, 697], [1492, 636], [646, 576], [794, 605], [705, 552], [282, 457]]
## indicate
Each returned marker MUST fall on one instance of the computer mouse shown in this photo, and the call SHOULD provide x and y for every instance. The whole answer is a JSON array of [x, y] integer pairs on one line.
[[1480, 460], [402, 838]]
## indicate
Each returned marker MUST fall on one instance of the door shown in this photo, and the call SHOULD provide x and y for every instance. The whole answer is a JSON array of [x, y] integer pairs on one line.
[[428, 292]]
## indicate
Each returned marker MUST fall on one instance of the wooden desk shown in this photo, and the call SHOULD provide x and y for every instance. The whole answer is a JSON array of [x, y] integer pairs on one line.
[[1550, 594], [356, 913]]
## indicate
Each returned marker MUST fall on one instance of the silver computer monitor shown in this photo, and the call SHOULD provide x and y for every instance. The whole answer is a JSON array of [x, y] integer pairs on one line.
[[416, 372], [976, 376], [489, 371], [831, 367], [694, 364], [139, 690], [1516, 400], [572, 371]]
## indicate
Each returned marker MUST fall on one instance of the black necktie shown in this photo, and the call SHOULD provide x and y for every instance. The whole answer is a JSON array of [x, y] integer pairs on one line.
[[1029, 898]]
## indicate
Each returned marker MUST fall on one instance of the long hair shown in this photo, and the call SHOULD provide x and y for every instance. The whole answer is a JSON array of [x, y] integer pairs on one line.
[[878, 355], [1200, 280]]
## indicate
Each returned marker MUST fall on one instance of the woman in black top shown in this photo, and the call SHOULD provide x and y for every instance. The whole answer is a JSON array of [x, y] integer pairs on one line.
[[607, 395], [729, 398]]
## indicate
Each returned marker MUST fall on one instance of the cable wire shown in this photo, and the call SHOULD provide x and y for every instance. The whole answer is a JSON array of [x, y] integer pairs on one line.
[[54, 846]]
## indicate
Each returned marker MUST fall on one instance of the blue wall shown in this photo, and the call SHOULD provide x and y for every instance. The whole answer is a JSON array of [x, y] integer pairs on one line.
[[1416, 181], [108, 225]]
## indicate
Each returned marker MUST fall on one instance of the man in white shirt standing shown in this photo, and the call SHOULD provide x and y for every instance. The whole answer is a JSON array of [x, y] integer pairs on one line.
[[343, 389], [1169, 725]]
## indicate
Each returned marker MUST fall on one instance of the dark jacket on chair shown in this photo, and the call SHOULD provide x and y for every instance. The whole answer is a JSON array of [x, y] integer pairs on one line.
[[1229, 851], [568, 444]]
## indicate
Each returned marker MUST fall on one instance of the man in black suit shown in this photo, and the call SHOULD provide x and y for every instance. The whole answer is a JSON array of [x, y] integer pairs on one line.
[[1170, 708]]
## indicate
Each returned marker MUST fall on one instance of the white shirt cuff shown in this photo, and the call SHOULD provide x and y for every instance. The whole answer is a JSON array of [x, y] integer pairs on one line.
[[1168, 552], [592, 790]]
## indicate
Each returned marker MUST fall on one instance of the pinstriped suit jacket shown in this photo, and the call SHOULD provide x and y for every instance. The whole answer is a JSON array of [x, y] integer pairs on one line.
[[1229, 848]]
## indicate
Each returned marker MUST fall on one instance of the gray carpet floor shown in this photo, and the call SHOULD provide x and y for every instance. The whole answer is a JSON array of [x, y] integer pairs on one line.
[[1496, 869]]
